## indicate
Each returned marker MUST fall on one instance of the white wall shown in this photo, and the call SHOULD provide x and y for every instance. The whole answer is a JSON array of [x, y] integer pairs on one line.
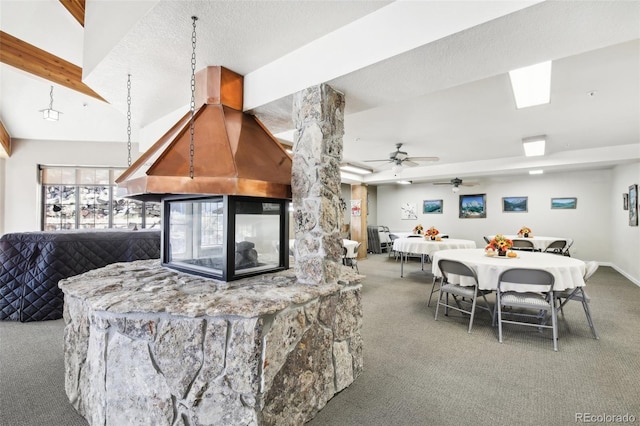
[[589, 225], [625, 238], [21, 212]]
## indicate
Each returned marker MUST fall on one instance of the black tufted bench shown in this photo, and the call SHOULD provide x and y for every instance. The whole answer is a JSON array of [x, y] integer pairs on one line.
[[32, 263]]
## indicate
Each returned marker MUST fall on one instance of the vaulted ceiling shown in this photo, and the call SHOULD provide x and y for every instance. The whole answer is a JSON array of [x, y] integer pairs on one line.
[[431, 75]]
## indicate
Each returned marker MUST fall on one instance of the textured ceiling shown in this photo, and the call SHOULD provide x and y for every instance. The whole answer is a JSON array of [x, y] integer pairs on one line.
[[448, 96]]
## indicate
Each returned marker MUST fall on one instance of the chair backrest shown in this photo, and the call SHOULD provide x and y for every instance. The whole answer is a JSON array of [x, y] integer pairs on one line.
[[590, 269], [527, 276], [415, 236], [454, 267], [523, 245], [356, 248], [393, 237], [556, 246]]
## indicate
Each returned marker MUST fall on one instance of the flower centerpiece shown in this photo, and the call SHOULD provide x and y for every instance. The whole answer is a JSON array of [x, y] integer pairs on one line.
[[432, 233], [499, 243], [418, 229], [525, 232]]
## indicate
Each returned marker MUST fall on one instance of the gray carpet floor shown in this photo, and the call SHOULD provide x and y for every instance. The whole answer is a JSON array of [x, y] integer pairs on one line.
[[417, 371]]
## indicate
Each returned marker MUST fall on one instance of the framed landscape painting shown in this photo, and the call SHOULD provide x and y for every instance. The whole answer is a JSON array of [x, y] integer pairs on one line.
[[431, 206], [564, 203], [514, 204], [633, 205], [473, 206]]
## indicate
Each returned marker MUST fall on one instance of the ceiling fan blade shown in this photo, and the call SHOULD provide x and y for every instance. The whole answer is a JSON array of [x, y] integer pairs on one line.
[[410, 163], [423, 158], [468, 184], [374, 161], [442, 183]]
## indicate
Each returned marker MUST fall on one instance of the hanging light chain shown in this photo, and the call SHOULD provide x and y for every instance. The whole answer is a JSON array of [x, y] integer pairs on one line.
[[51, 98], [129, 119], [193, 97]]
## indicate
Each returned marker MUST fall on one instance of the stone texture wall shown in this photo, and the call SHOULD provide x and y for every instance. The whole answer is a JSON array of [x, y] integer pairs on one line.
[[150, 345], [315, 183]]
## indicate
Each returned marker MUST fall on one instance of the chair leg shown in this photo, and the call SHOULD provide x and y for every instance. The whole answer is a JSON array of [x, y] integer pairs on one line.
[[587, 312], [473, 310], [433, 287], [554, 323], [439, 298], [499, 308]]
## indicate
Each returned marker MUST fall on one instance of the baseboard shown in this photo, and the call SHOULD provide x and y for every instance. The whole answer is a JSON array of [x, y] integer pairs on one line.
[[623, 273]]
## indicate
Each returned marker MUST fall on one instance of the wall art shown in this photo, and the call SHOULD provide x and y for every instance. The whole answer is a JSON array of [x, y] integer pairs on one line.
[[473, 206]]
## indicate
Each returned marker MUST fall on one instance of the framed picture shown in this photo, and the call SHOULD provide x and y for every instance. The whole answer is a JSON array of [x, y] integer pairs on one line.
[[408, 211], [515, 204], [356, 207], [625, 201], [564, 203], [473, 206], [431, 206], [633, 205]]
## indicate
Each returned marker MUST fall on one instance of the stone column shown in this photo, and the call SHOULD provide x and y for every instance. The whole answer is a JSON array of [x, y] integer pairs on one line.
[[318, 114]]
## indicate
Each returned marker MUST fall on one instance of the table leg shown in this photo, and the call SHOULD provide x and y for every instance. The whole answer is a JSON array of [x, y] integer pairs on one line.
[[401, 265]]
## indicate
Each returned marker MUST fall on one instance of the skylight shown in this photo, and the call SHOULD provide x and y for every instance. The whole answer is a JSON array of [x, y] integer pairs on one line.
[[532, 85]]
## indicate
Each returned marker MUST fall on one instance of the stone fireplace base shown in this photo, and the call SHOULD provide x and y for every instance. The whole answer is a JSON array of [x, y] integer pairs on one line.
[[150, 345]]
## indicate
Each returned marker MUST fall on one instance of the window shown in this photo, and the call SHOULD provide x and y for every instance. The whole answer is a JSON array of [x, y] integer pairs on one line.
[[87, 198]]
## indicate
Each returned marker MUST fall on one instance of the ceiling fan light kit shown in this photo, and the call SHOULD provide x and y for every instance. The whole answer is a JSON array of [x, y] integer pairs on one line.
[[455, 183], [399, 159]]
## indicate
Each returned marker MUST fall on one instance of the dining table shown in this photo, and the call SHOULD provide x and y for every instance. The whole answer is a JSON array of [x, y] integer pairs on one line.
[[540, 243], [568, 272], [426, 247]]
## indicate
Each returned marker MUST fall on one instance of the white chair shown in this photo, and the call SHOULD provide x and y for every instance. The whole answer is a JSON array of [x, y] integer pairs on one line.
[[523, 303], [579, 295], [455, 290], [351, 261]]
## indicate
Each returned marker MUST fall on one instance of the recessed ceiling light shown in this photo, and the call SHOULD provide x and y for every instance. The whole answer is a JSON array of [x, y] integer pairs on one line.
[[536, 172], [531, 85]]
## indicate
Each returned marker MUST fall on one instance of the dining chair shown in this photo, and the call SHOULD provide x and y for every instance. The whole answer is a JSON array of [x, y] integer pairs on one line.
[[524, 303], [487, 239], [556, 247], [566, 249], [525, 245], [393, 237], [459, 293], [351, 261], [579, 295]]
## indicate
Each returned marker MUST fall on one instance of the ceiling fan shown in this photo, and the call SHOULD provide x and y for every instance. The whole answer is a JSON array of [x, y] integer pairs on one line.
[[401, 158], [456, 183]]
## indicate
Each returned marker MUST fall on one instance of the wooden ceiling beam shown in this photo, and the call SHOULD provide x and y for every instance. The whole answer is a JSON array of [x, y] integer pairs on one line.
[[5, 140], [76, 8], [26, 57]]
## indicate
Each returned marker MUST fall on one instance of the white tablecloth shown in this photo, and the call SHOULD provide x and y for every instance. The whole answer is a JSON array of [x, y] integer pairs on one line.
[[539, 242], [568, 272], [425, 247], [406, 234]]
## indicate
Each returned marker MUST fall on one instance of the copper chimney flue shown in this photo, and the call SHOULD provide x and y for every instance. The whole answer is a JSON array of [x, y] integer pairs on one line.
[[234, 154]]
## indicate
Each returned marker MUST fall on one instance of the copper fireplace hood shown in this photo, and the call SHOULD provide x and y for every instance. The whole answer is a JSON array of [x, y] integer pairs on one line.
[[234, 154]]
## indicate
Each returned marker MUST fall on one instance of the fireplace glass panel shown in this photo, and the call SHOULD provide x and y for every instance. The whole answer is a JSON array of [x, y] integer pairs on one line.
[[196, 234], [257, 236], [225, 237]]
